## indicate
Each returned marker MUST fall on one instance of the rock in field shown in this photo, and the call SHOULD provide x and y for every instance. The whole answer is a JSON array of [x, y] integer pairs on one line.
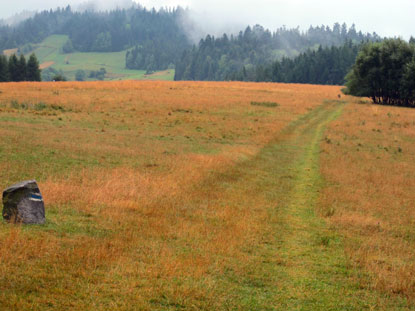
[[23, 203]]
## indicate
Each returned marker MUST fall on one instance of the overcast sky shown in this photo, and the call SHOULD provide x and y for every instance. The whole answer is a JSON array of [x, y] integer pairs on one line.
[[387, 18]]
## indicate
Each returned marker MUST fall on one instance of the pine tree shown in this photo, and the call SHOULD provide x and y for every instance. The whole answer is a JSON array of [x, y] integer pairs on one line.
[[4, 69], [21, 69], [33, 71], [13, 64]]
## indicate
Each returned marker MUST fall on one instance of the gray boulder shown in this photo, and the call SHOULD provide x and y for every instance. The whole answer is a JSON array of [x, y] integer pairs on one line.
[[23, 203]]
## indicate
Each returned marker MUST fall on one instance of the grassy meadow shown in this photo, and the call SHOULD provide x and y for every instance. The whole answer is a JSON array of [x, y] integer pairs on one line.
[[368, 162], [207, 196], [49, 54]]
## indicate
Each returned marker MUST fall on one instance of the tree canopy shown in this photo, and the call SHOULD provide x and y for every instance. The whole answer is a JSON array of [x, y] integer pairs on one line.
[[385, 72]]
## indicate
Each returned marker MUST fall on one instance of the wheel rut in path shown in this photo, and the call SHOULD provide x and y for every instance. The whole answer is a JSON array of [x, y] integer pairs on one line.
[[311, 272], [276, 253]]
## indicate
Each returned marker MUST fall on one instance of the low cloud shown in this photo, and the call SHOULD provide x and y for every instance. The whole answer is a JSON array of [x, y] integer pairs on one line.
[[387, 18]]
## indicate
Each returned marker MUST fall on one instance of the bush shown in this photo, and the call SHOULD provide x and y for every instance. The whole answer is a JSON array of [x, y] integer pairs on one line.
[[80, 75], [49, 74], [99, 75], [68, 47], [265, 104], [40, 106], [385, 72], [59, 77]]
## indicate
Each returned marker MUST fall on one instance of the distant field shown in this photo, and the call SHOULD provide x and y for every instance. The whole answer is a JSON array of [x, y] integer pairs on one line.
[[207, 196], [49, 54], [10, 52]]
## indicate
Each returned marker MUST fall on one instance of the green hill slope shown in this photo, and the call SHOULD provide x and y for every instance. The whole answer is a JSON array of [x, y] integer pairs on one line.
[[49, 53]]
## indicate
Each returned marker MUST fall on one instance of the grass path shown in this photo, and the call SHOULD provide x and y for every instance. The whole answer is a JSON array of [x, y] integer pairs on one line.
[[317, 274], [247, 238], [303, 265]]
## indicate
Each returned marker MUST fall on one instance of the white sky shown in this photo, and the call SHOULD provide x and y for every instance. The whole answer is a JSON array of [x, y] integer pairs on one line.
[[387, 18]]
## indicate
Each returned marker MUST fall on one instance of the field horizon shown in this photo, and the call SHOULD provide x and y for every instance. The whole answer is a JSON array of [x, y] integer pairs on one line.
[[165, 195]]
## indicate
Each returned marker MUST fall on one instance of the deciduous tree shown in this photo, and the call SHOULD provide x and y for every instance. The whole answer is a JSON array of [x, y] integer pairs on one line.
[[384, 71]]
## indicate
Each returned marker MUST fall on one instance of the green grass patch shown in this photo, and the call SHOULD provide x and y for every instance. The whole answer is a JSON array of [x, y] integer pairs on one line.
[[265, 104], [39, 106], [50, 51], [66, 221]]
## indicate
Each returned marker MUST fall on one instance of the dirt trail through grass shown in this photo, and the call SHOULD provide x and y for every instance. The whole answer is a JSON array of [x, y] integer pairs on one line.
[[281, 255], [308, 269], [316, 272]]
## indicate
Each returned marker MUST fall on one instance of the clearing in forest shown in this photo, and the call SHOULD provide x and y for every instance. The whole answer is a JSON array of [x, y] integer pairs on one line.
[[49, 53]]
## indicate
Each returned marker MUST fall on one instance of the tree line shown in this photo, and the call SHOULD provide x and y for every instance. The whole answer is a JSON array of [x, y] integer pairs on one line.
[[157, 40], [328, 65], [385, 72], [221, 58], [17, 69]]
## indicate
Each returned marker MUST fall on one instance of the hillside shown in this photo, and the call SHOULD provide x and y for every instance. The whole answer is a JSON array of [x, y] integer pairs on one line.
[[158, 34], [49, 53]]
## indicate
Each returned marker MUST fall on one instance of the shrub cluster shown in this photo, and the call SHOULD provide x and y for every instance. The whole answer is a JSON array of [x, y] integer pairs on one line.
[[385, 72]]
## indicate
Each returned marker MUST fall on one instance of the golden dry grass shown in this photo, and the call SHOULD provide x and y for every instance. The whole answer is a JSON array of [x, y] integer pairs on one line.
[[10, 52], [159, 73], [45, 65], [368, 162], [160, 196], [129, 172]]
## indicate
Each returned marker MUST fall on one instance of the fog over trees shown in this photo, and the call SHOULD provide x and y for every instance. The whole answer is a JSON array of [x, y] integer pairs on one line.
[[239, 57], [160, 39]]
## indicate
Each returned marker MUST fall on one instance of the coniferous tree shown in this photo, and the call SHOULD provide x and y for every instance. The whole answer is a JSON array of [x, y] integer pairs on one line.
[[4, 69], [33, 71], [13, 67], [321, 66], [21, 69], [255, 48]]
